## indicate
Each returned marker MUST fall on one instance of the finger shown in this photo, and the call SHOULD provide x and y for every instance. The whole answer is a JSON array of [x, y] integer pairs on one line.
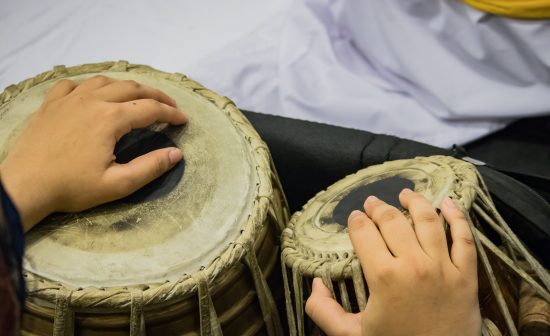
[[127, 90], [328, 314], [463, 250], [427, 224], [394, 227], [93, 83], [368, 244], [145, 112], [123, 179], [60, 89], [142, 113]]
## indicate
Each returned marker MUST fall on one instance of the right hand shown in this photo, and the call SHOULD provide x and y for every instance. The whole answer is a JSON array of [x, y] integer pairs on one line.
[[63, 160], [416, 286]]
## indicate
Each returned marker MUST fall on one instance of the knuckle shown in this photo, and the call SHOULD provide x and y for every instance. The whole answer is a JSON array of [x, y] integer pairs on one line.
[[421, 272], [388, 214], [384, 273], [131, 83], [468, 241], [64, 82], [160, 165], [428, 217], [99, 79]]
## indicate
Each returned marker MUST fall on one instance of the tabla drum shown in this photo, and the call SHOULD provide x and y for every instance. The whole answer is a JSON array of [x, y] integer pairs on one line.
[[315, 242], [193, 254]]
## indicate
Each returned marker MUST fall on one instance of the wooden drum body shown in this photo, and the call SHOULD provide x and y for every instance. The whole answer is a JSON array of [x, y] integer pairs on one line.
[[192, 254], [315, 243]]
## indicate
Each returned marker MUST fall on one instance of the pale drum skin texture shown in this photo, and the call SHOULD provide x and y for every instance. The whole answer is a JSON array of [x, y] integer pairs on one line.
[[63, 160]]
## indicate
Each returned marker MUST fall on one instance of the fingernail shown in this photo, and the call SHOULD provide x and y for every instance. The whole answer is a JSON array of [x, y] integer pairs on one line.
[[175, 155], [183, 117], [406, 191], [371, 198], [353, 214], [449, 203]]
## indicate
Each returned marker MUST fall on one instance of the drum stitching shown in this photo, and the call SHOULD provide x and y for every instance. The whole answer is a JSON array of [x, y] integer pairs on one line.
[[137, 320], [63, 323], [267, 303], [208, 318]]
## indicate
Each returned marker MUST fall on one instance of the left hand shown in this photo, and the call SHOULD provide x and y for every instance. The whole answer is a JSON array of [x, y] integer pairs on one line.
[[63, 160]]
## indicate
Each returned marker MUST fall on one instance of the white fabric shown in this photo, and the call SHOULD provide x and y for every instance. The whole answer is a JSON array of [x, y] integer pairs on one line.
[[434, 71], [169, 35]]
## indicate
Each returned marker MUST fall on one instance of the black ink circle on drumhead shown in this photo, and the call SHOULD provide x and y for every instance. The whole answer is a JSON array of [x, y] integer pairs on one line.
[[387, 189], [141, 141]]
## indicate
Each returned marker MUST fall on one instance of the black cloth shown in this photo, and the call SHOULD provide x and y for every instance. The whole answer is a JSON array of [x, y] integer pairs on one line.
[[522, 150], [310, 156]]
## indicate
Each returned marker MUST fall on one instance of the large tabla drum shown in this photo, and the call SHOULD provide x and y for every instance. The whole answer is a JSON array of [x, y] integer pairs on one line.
[[315, 243], [192, 253]]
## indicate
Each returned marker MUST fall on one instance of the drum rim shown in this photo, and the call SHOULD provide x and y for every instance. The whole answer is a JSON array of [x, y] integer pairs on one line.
[[340, 266], [122, 297]]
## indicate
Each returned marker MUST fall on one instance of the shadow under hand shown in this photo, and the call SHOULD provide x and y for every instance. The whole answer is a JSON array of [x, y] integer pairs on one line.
[[141, 141]]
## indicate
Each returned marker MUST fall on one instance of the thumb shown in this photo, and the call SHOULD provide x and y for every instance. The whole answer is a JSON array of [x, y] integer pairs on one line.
[[329, 314], [124, 179]]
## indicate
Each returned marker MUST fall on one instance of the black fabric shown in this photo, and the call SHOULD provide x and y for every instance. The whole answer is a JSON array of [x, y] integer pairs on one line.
[[521, 150], [310, 157]]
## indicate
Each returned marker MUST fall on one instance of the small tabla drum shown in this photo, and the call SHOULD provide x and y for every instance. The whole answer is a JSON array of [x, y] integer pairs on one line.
[[315, 243], [193, 253]]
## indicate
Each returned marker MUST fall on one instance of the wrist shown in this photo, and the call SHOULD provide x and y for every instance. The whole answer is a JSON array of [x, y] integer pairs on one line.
[[27, 196]]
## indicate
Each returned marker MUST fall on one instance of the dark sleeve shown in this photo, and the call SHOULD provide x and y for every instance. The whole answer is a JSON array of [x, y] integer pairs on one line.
[[12, 288]]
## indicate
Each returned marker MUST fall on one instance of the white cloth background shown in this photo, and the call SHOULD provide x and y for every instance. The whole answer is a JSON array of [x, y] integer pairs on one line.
[[170, 35], [434, 71]]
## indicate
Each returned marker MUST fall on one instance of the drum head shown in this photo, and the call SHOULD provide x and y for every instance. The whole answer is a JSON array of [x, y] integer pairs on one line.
[[320, 230], [156, 236]]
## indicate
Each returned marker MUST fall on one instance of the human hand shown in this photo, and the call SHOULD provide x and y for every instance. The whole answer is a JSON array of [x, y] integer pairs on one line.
[[416, 286], [63, 160]]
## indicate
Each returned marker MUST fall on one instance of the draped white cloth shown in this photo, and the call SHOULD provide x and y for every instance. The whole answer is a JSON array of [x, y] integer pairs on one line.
[[170, 35], [432, 70], [438, 72]]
